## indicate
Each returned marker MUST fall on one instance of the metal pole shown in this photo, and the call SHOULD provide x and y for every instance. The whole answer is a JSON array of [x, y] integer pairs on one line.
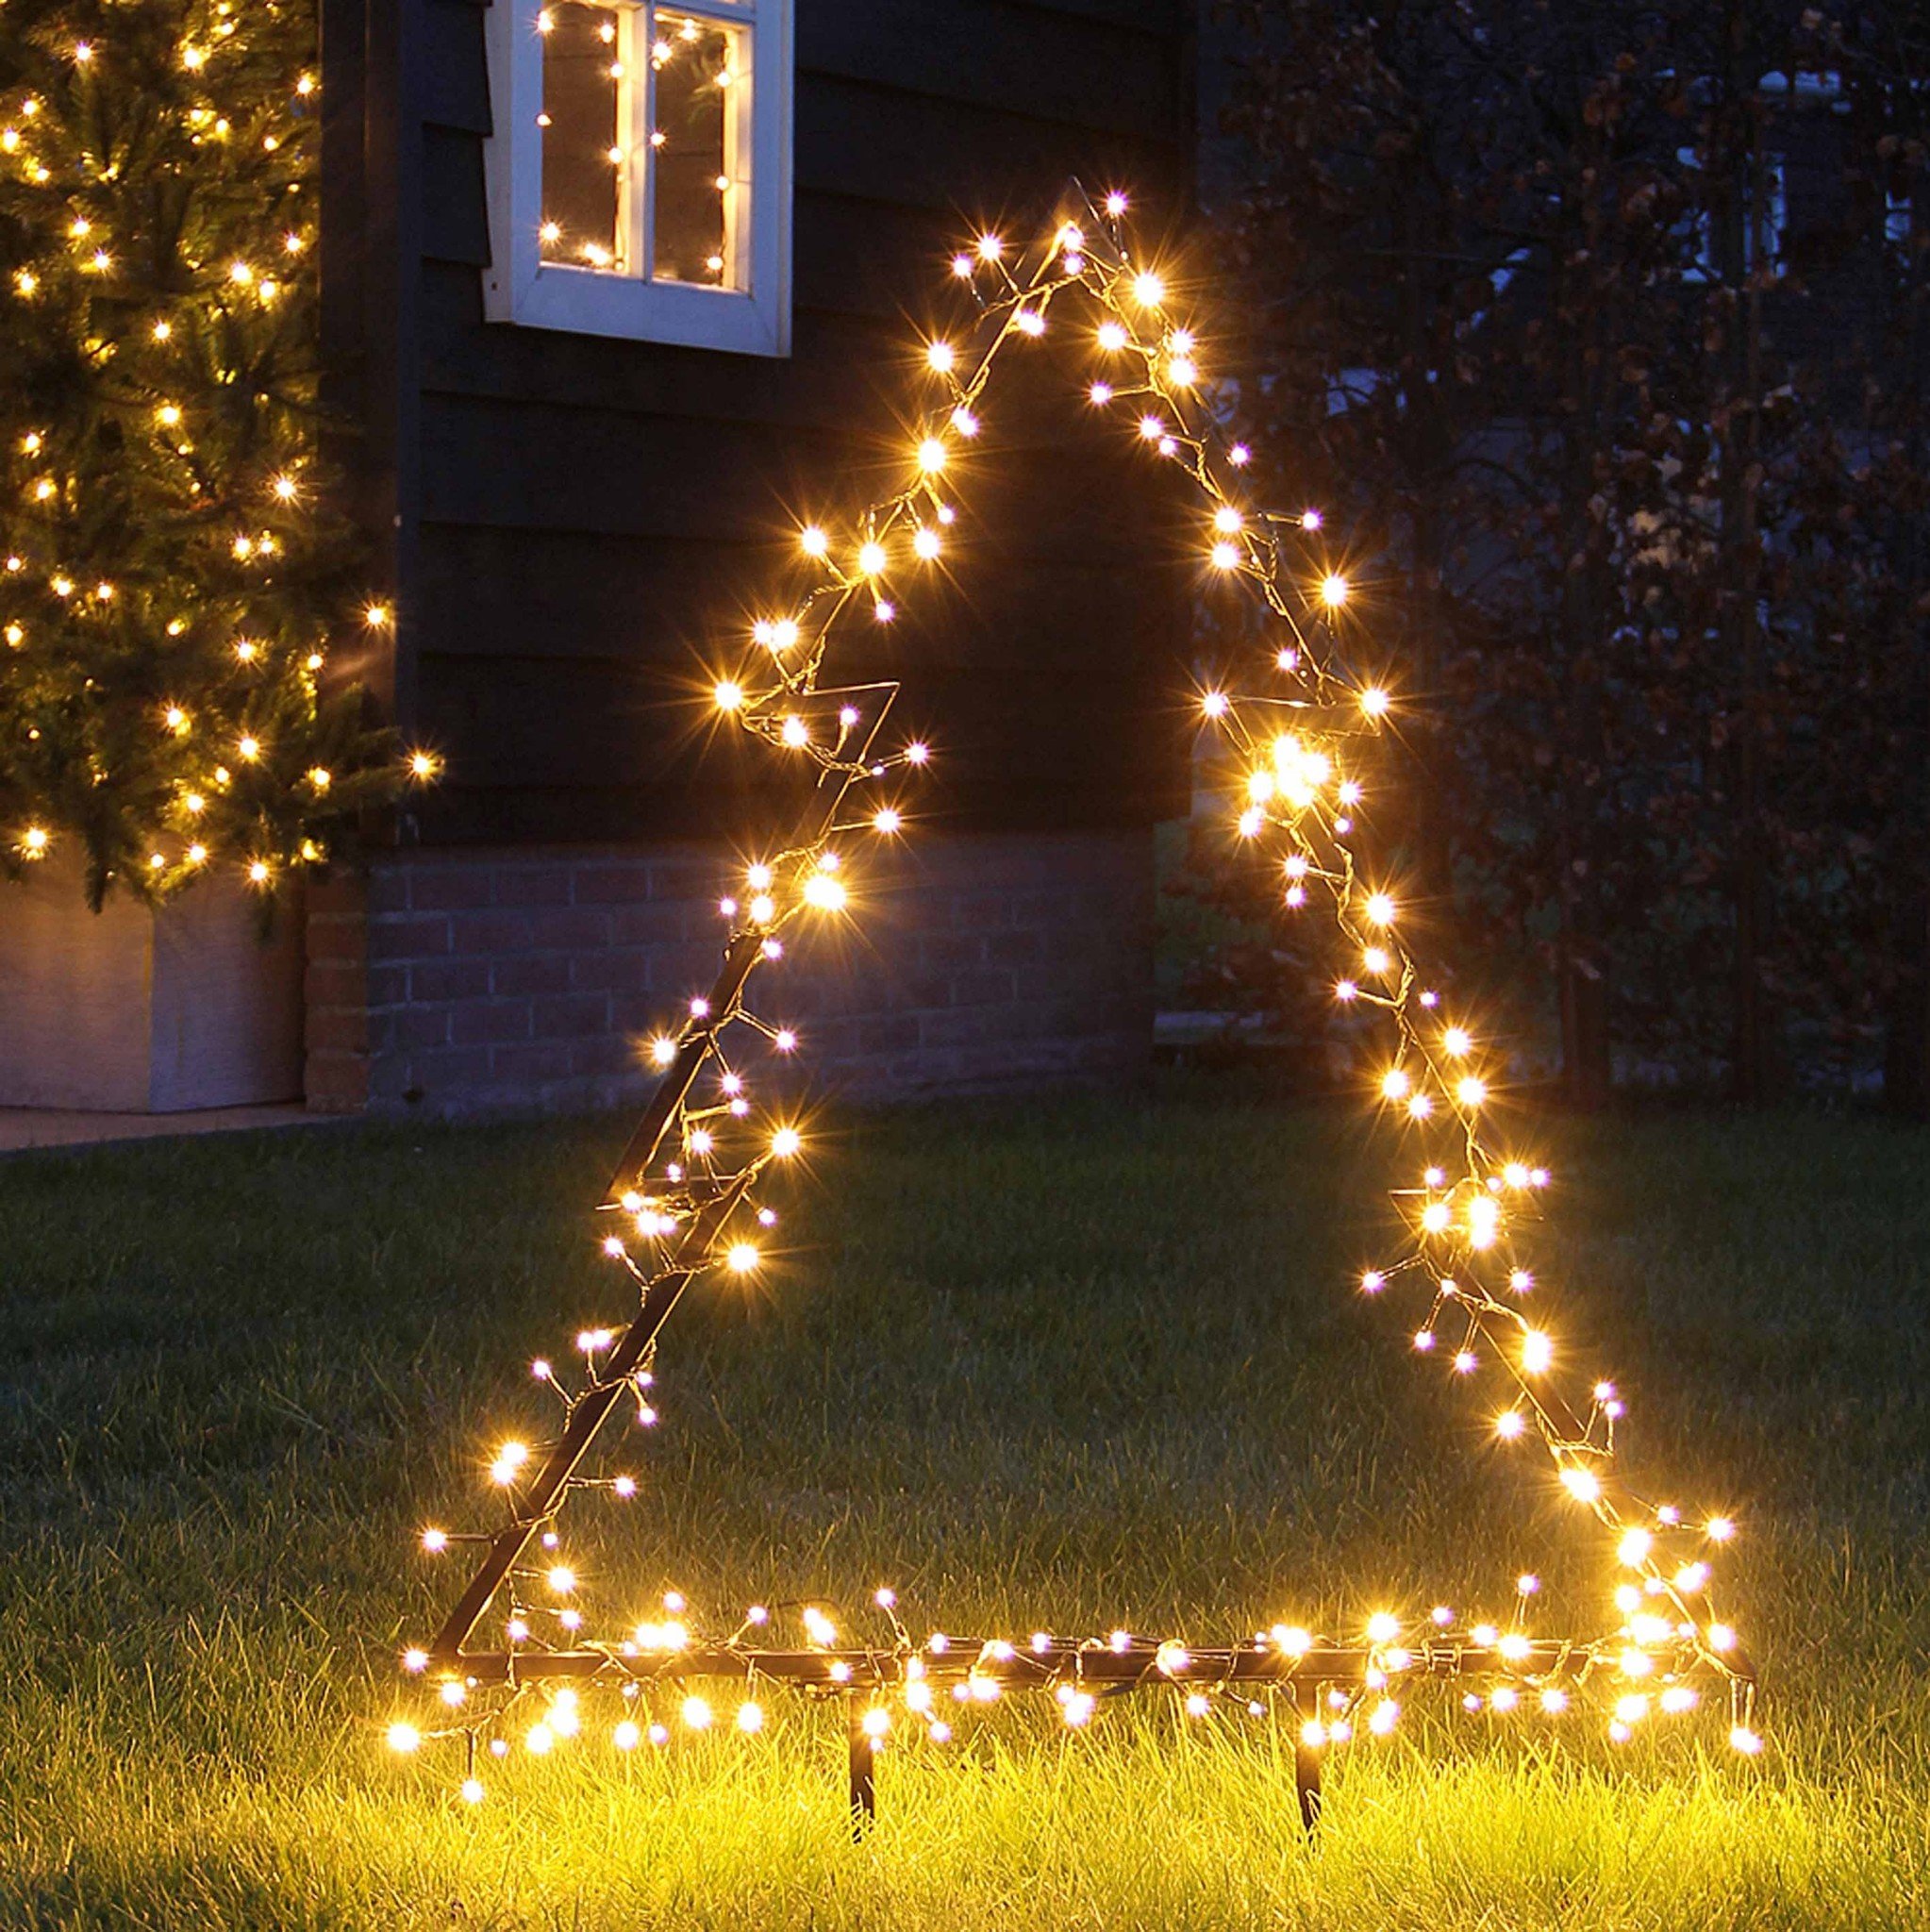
[[1306, 1762], [864, 1791]]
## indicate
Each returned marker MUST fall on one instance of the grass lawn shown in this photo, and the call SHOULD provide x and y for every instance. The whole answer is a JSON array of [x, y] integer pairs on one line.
[[1074, 1361]]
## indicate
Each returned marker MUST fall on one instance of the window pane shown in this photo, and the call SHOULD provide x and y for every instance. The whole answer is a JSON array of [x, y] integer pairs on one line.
[[701, 147], [580, 83]]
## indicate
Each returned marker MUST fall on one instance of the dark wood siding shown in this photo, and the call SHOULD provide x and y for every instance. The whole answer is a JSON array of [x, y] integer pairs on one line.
[[586, 519]]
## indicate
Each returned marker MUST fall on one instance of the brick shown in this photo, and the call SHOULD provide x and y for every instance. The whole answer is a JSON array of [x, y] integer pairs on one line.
[[533, 885], [803, 996], [1040, 911], [387, 986], [337, 941], [642, 1014], [337, 1083], [572, 1015], [448, 1070], [531, 972], [602, 1054], [624, 1084], [1017, 948], [385, 888], [964, 1027], [950, 949], [451, 888], [340, 895], [1041, 983], [566, 928], [690, 877], [826, 1043], [390, 1082], [421, 1026], [610, 972], [1009, 864], [981, 911], [886, 1032], [492, 932], [326, 984], [339, 1031], [1061, 1018], [472, 1021], [983, 987], [919, 989], [682, 971], [612, 885], [408, 938], [449, 980], [526, 1063], [657, 925]]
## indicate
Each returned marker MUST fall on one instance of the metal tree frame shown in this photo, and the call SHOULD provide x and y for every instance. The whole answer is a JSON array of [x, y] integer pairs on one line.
[[691, 1205]]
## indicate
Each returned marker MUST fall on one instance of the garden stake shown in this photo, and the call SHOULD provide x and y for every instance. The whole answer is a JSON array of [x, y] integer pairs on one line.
[[864, 1795], [1307, 1763]]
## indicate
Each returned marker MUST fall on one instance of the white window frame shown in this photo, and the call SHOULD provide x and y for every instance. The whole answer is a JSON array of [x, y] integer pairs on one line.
[[1773, 228], [520, 287]]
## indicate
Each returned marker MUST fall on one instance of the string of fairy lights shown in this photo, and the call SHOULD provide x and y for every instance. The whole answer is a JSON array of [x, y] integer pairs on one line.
[[638, 52], [687, 1197]]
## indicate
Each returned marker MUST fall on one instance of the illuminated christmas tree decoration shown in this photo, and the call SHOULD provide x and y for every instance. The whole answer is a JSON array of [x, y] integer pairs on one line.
[[692, 1183]]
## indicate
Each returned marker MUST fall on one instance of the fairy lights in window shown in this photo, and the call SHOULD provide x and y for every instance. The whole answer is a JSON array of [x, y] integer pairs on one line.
[[647, 143]]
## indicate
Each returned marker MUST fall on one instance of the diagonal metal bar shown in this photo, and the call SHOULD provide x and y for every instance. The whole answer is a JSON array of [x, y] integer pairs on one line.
[[743, 954], [539, 1496]]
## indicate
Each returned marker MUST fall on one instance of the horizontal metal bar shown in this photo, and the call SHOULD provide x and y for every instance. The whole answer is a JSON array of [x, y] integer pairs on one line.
[[1026, 1667]]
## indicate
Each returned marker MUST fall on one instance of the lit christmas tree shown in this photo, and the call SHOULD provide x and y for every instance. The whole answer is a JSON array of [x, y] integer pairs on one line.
[[172, 569]]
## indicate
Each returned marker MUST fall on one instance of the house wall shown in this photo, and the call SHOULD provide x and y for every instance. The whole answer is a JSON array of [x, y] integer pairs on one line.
[[576, 526], [467, 981]]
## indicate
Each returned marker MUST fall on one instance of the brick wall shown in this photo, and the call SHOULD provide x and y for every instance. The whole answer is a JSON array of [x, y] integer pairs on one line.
[[476, 980]]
